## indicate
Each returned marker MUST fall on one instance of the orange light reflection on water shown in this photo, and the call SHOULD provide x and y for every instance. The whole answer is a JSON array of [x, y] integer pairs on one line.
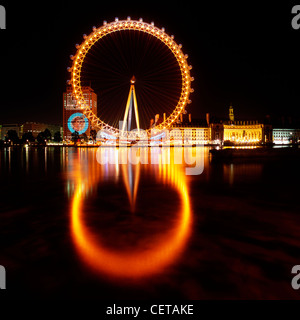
[[140, 262]]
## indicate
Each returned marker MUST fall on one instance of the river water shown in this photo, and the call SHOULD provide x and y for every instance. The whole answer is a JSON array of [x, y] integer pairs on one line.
[[137, 223]]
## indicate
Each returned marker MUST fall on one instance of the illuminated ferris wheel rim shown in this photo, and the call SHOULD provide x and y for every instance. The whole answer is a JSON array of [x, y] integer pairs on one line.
[[135, 25]]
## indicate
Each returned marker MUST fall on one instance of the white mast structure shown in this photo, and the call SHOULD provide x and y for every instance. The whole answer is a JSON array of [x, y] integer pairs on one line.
[[128, 111]]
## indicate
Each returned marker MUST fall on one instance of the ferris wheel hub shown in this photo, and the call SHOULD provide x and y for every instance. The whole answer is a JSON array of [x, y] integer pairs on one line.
[[132, 80]]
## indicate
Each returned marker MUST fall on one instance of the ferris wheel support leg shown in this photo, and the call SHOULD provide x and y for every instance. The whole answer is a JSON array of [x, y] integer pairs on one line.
[[130, 115], [137, 119], [127, 109]]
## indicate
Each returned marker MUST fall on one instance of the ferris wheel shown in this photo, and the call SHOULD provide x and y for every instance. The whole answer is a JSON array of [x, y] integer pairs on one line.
[[134, 28]]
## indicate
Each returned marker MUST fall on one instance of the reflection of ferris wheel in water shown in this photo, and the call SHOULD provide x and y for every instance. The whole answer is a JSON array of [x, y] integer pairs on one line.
[[132, 50]]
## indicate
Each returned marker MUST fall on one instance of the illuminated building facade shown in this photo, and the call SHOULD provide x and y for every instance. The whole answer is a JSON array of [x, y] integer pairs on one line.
[[244, 131], [190, 132], [190, 135], [248, 132], [216, 131], [286, 136], [73, 118]]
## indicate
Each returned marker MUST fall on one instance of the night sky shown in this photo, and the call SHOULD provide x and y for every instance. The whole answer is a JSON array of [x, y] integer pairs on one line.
[[245, 53]]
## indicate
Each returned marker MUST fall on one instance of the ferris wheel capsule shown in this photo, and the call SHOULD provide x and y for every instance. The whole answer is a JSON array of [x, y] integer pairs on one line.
[[190, 67], [191, 90], [94, 28], [189, 101], [128, 18], [77, 46], [104, 22], [71, 57], [84, 36], [69, 69]]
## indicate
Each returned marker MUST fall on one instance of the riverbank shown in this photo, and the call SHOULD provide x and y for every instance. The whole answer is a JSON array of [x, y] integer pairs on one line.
[[108, 146], [255, 153]]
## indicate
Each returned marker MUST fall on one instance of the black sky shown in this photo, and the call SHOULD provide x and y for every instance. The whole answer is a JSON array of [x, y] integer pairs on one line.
[[246, 53]]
